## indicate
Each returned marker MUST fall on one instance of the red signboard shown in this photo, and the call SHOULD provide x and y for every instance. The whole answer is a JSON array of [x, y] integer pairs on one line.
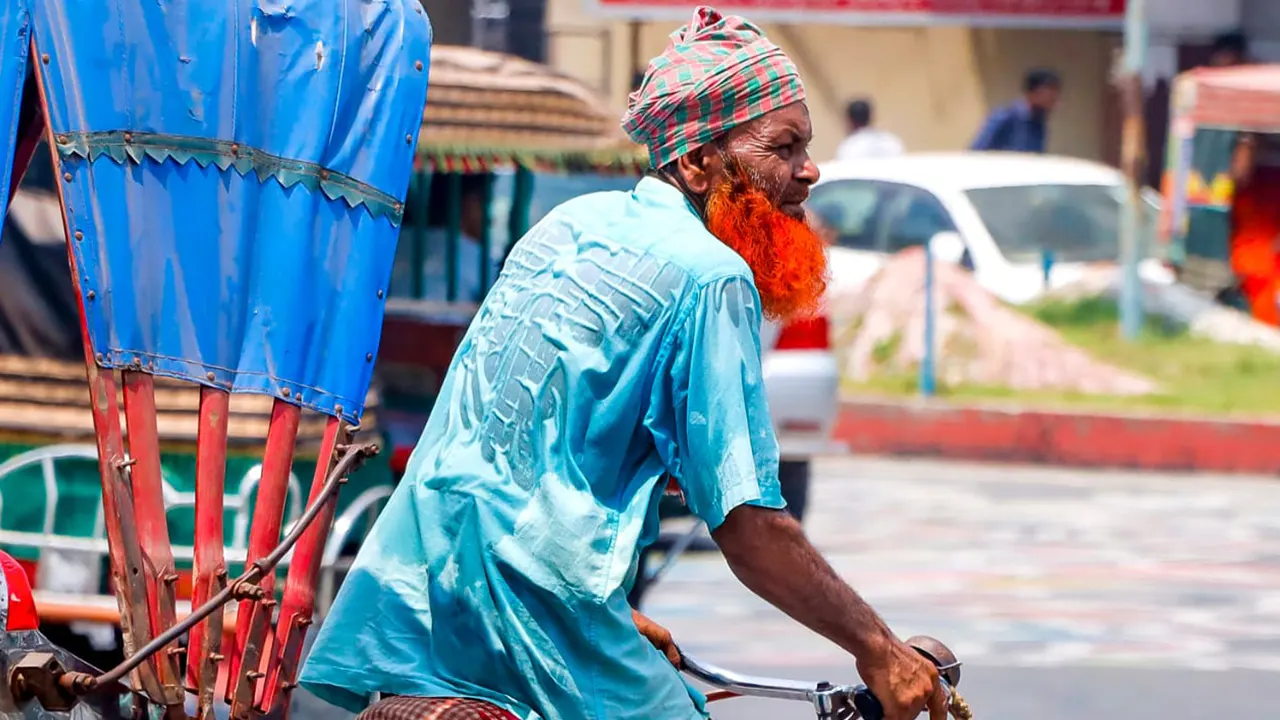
[[978, 13]]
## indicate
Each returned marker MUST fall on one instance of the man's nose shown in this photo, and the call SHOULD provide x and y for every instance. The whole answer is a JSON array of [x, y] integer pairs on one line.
[[809, 172]]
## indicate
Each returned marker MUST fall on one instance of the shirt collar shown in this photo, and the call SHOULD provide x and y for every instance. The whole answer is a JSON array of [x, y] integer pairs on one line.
[[660, 193], [1023, 111]]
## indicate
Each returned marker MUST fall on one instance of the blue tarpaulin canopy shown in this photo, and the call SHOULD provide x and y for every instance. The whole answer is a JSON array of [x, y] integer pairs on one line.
[[15, 42], [233, 173]]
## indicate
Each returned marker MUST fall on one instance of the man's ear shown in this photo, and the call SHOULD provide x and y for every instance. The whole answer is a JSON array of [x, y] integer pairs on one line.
[[699, 168]]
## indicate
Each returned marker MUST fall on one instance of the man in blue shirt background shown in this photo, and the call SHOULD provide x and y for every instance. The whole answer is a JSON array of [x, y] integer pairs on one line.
[[1021, 126]]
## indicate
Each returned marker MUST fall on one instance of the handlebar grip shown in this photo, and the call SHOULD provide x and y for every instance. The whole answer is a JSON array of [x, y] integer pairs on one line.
[[869, 708]]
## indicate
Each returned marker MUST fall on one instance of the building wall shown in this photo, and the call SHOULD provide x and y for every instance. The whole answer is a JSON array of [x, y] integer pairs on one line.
[[933, 86]]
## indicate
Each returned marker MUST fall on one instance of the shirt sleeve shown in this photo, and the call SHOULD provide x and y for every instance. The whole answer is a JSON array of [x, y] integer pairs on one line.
[[844, 151], [710, 420], [990, 137]]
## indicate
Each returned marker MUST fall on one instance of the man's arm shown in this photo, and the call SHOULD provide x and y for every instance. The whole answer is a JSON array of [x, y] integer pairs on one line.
[[768, 551], [710, 423], [994, 132]]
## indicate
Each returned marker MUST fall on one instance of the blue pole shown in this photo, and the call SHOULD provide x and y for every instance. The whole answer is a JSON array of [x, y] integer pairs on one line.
[[1132, 150], [927, 379]]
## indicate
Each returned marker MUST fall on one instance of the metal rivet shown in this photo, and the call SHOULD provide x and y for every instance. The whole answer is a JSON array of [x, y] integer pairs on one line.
[[286, 392], [298, 397], [408, 139], [45, 58], [417, 65], [368, 357], [235, 149], [91, 295], [66, 176], [62, 139], [380, 293], [209, 376], [324, 174], [337, 409], [79, 235], [128, 137]]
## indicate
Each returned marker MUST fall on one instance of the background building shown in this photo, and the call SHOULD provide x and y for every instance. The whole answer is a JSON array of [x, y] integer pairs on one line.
[[933, 77]]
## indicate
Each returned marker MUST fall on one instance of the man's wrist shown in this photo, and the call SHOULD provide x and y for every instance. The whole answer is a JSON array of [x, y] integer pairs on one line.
[[874, 642]]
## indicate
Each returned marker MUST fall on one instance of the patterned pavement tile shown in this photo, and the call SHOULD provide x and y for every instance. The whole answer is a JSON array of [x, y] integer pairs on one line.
[[1019, 567]]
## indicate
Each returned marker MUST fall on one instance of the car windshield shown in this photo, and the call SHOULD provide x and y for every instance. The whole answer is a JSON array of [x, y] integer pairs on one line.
[[1077, 223]]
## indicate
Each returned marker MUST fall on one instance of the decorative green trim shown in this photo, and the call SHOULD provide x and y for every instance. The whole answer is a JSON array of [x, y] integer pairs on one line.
[[123, 146]]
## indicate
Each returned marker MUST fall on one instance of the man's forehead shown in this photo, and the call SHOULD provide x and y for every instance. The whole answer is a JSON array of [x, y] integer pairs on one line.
[[793, 118]]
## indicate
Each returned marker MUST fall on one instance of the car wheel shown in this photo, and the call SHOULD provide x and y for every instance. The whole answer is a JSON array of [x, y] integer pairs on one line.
[[794, 477]]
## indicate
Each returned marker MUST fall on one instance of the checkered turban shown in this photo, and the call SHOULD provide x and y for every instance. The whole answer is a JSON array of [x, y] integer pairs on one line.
[[717, 73]]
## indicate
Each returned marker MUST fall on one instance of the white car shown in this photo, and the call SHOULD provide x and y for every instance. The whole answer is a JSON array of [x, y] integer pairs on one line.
[[1007, 210], [803, 387]]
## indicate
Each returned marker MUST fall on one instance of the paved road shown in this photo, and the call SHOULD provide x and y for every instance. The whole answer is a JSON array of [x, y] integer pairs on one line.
[[1069, 594]]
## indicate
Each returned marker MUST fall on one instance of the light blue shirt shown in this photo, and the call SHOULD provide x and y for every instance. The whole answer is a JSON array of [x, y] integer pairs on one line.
[[621, 342]]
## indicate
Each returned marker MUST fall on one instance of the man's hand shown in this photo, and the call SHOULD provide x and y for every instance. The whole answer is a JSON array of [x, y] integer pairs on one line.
[[659, 636], [904, 682]]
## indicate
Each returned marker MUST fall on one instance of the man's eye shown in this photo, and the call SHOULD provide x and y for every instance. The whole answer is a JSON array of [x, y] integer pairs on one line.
[[784, 151]]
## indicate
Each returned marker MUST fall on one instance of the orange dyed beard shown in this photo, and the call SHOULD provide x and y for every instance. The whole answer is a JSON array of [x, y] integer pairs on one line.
[[787, 257]]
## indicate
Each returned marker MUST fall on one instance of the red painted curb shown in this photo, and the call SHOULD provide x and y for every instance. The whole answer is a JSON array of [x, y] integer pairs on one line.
[[1058, 438]]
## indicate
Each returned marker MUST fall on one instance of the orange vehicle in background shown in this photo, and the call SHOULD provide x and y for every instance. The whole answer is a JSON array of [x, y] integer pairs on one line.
[[1221, 210]]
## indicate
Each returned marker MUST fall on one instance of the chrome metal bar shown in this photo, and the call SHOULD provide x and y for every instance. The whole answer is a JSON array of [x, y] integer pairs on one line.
[[776, 688]]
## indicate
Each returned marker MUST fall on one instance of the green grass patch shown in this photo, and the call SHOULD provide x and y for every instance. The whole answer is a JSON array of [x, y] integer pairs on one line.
[[885, 350], [1195, 375]]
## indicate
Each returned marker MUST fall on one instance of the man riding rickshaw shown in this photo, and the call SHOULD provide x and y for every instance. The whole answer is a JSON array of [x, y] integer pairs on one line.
[[620, 344], [619, 348]]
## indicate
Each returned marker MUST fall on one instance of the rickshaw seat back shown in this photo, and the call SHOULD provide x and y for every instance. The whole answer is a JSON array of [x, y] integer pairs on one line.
[[232, 177]]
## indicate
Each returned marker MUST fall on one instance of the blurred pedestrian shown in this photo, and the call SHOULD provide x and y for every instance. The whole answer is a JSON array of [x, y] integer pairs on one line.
[[1229, 49], [1022, 125], [863, 140]]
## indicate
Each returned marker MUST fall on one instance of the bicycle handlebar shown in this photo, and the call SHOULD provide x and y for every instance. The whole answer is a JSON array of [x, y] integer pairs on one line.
[[830, 702]]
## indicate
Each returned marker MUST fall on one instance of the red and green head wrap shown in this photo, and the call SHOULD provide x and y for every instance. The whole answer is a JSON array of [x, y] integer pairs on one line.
[[717, 73]]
